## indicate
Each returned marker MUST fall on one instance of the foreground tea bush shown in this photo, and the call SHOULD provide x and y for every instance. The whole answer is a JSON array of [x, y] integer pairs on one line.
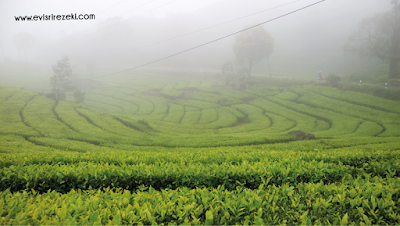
[[355, 201], [218, 156], [161, 175]]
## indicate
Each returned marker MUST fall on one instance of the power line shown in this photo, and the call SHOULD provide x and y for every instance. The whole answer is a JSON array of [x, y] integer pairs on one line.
[[209, 42], [193, 32]]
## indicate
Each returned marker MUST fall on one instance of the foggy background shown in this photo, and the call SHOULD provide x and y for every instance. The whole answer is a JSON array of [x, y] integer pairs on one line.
[[124, 32]]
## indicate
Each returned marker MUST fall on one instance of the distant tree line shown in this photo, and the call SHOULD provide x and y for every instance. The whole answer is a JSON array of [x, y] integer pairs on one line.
[[379, 36]]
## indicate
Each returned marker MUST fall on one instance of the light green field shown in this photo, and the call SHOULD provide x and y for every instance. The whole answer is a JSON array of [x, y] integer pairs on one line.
[[149, 149]]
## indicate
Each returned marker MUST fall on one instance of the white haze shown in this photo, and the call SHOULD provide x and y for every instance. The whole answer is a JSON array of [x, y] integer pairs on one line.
[[305, 41]]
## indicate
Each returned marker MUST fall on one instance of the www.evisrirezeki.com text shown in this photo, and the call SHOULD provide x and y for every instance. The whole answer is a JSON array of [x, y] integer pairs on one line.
[[51, 17]]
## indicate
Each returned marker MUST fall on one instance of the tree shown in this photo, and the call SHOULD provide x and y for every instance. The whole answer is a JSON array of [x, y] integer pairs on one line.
[[60, 80], [24, 41], [252, 45], [379, 36], [61, 84], [333, 80]]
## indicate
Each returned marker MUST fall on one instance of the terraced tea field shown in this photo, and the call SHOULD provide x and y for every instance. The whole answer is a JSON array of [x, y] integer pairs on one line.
[[166, 150], [171, 112]]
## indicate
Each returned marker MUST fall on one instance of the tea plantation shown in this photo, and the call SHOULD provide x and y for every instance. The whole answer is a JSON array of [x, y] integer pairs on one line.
[[146, 150]]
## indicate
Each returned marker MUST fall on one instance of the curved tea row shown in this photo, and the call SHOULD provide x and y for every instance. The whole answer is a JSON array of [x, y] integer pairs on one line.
[[166, 111]]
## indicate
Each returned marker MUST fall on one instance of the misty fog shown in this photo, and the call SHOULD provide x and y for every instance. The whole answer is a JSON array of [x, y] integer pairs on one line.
[[126, 34]]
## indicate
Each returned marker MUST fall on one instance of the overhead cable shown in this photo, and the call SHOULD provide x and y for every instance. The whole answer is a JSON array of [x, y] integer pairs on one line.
[[209, 42]]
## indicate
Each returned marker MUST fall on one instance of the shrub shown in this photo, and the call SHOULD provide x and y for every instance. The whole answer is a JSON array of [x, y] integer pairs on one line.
[[334, 80]]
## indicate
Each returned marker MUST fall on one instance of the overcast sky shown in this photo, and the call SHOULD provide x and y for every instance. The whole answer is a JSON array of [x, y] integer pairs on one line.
[[155, 20], [135, 9], [103, 10]]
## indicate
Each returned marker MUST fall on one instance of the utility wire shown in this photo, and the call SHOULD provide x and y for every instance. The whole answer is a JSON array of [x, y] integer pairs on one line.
[[193, 32], [209, 42]]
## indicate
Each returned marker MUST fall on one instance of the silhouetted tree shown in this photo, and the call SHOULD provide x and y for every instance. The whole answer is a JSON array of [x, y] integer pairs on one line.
[[60, 82], [379, 36], [253, 45]]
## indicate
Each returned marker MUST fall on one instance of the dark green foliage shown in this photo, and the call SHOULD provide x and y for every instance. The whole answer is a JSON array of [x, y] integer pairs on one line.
[[352, 201], [161, 175]]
